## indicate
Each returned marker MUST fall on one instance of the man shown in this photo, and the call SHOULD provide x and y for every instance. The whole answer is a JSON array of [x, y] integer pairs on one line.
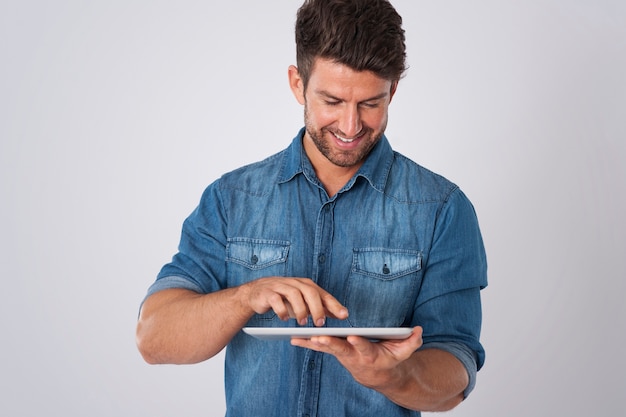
[[337, 230]]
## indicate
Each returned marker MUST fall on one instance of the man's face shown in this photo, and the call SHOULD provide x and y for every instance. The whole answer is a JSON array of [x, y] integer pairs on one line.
[[345, 112]]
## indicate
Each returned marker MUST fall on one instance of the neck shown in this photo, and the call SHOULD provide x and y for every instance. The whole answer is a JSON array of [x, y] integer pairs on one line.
[[333, 177]]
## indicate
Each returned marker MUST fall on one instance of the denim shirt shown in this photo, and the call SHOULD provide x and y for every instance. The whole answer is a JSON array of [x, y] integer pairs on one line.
[[398, 245]]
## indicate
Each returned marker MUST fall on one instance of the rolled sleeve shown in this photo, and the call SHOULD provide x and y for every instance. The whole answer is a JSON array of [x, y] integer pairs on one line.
[[170, 282], [465, 355]]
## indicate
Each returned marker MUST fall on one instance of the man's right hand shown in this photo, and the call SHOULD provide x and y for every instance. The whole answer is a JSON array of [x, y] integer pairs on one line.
[[181, 326], [296, 298]]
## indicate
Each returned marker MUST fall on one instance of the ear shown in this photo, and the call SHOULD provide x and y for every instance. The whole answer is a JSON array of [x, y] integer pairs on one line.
[[394, 86], [296, 84]]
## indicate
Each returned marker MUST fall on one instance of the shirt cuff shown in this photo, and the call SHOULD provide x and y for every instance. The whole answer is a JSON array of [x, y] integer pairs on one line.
[[463, 354], [169, 282]]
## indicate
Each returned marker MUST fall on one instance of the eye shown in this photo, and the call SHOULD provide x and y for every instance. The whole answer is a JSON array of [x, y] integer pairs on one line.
[[331, 103], [370, 105]]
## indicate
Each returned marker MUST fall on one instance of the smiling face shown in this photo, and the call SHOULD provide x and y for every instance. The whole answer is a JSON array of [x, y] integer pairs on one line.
[[345, 113]]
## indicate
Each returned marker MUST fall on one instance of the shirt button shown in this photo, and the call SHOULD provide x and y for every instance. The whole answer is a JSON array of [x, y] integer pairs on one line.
[[321, 259], [254, 259], [311, 365], [386, 270]]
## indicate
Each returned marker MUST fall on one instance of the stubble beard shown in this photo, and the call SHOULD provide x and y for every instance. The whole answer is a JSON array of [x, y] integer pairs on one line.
[[339, 158]]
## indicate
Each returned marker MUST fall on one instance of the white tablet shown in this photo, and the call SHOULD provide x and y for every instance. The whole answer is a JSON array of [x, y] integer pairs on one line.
[[281, 333]]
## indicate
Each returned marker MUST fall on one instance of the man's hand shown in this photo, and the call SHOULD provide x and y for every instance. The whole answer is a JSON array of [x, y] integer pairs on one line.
[[425, 380], [182, 326], [372, 364], [296, 298]]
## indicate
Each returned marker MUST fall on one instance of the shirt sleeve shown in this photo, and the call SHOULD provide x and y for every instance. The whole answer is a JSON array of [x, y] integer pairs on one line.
[[465, 355], [169, 282], [199, 264], [448, 306]]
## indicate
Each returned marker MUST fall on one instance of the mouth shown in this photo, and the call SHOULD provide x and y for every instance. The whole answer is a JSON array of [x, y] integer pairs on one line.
[[348, 140]]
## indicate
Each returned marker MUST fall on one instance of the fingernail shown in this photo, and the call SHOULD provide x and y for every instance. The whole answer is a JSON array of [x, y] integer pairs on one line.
[[320, 322], [302, 322]]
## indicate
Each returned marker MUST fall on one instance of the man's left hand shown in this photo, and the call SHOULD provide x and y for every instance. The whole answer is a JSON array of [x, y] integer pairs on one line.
[[372, 364]]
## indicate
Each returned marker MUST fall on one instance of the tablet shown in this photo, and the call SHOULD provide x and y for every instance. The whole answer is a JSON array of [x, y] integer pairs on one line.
[[281, 333]]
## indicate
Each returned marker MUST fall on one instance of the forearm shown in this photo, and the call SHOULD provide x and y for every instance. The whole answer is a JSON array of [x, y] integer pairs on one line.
[[180, 326], [430, 380]]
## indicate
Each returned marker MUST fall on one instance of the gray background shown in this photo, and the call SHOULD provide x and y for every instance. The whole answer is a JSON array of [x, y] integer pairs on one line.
[[114, 116]]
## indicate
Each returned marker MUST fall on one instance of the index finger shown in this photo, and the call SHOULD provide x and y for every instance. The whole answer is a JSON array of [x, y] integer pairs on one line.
[[321, 303]]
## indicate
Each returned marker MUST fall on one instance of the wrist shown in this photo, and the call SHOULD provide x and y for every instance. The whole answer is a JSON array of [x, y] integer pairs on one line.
[[243, 308], [389, 380]]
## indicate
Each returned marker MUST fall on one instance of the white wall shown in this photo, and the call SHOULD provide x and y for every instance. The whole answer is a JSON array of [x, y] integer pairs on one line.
[[114, 116]]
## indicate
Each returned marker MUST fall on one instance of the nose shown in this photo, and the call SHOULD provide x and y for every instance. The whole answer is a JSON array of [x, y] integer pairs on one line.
[[350, 122]]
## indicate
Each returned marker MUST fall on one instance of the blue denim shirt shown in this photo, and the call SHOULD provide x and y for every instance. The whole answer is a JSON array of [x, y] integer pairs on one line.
[[398, 246]]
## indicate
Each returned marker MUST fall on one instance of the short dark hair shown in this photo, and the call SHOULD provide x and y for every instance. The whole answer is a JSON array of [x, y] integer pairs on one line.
[[365, 35]]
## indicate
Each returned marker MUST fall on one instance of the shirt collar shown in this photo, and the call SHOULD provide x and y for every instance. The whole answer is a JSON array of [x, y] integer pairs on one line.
[[375, 169]]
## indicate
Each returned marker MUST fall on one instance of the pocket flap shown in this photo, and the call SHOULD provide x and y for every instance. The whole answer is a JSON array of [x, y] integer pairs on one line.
[[386, 264], [256, 253]]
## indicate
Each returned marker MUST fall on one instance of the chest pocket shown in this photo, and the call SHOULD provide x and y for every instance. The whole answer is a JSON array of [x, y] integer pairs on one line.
[[249, 259], [382, 285]]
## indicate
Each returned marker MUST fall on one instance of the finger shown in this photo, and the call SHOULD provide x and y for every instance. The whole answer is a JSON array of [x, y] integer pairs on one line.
[[313, 300], [292, 313], [360, 344], [295, 304], [332, 345], [403, 349], [279, 306], [416, 337], [296, 298], [317, 301], [333, 307], [337, 346], [301, 318]]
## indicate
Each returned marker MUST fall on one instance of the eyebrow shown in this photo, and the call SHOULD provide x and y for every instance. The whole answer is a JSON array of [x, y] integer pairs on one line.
[[332, 97]]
